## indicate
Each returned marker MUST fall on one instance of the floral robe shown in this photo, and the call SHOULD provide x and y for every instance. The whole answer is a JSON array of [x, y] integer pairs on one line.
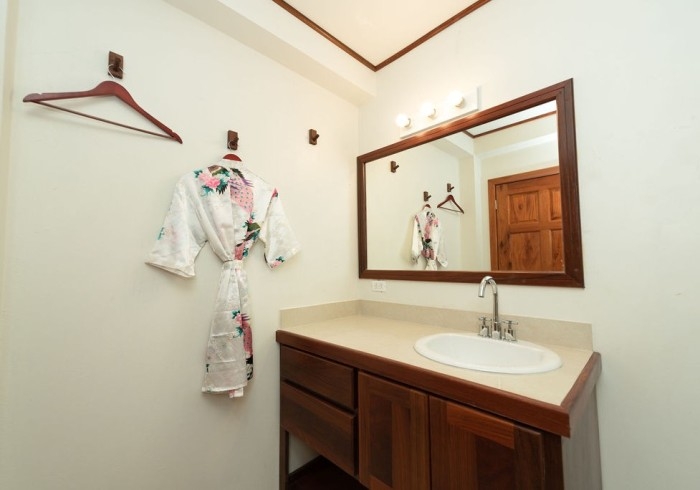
[[229, 207], [428, 240]]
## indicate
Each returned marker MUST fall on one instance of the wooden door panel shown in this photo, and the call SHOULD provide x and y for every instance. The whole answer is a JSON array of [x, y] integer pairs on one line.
[[526, 222], [523, 207], [394, 435], [555, 204], [524, 251], [471, 450]]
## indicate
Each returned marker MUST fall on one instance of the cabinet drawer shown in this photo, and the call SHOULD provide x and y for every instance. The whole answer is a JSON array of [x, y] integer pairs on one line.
[[328, 379], [325, 428]]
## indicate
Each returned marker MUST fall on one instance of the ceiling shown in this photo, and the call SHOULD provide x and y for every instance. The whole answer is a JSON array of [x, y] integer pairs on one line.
[[377, 32]]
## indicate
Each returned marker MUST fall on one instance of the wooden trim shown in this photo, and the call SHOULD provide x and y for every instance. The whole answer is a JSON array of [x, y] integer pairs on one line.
[[557, 419], [479, 423], [284, 459], [330, 37], [452, 20], [583, 389], [508, 126]]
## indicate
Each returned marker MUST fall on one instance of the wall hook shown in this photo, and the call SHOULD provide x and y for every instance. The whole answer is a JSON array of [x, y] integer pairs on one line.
[[115, 65], [393, 166], [450, 187], [426, 196], [232, 141], [313, 136]]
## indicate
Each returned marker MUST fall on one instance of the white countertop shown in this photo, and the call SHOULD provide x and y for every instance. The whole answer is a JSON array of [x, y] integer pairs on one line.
[[394, 339]]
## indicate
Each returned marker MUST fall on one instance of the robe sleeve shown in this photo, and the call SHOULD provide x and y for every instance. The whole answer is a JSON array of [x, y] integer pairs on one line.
[[416, 242], [440, 256], [277, 234], [181, 238]]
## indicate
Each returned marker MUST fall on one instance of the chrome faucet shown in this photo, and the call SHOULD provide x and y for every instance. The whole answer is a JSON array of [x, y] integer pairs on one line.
[[496, 321]]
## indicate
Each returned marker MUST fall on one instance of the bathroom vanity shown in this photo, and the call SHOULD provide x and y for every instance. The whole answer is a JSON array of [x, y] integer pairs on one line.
[[355, 391]]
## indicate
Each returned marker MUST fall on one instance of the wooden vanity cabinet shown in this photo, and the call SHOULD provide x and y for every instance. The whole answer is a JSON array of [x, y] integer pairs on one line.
[[474, 450], [410, 440], [394, 435], [391, 426], [317, 405]]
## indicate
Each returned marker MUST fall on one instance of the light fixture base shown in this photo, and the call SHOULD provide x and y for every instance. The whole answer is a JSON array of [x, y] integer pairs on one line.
[[445, 112]]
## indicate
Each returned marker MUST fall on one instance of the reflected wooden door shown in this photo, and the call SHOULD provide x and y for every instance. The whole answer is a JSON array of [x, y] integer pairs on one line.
[[526, 222]]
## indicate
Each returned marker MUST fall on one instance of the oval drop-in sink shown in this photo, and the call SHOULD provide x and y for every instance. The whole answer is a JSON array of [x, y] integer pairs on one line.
[[483, 354]]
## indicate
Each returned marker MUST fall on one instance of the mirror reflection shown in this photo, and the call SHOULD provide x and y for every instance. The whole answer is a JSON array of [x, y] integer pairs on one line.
[[458, 227], [493, 192]]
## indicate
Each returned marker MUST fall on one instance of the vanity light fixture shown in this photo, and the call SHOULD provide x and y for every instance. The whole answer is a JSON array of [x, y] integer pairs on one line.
[[403, 121], [455, 98], [455, 105], [428, 110]]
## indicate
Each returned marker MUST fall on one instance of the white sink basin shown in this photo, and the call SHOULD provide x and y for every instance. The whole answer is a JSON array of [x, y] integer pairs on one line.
[[483, 354]]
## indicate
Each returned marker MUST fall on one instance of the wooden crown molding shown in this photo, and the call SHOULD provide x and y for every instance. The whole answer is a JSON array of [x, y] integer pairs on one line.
[[452, 20]]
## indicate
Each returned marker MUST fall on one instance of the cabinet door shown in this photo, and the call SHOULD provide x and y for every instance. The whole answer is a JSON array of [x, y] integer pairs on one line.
[[473, 450], [394, 435]]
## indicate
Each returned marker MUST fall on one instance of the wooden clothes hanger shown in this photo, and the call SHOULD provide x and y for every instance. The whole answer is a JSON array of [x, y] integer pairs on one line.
[[451, 199], [106, 88], [232, 156]]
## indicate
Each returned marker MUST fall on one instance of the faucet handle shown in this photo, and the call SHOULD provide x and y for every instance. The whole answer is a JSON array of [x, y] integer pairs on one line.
[[508, 331], [485, 326]]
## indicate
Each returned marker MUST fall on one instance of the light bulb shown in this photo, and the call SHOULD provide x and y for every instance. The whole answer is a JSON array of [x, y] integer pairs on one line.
[[456, 98], [403, 121], [428, 109]]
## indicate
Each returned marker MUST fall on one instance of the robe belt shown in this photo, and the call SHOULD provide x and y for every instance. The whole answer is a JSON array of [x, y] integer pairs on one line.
[[232, 264]]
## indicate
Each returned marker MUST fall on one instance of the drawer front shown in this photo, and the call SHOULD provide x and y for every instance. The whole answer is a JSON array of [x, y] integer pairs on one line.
[[328, 379], [327, 429]]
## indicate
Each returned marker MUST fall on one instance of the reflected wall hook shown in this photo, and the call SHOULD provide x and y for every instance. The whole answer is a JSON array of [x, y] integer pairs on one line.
[[232, 141], [313, 136], [393, 165], [426, 196], [450, 187]]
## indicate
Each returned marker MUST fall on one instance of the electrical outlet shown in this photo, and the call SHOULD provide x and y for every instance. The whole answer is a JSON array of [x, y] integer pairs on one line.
[[379, 286]]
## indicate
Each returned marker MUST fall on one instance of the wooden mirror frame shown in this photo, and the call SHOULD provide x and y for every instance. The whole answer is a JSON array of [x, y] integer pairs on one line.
[[572, 276]]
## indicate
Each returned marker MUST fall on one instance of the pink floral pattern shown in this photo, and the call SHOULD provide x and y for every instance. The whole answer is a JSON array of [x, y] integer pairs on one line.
[[428, 240]]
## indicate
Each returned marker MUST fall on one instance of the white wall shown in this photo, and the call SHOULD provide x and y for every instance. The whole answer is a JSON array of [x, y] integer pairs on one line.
[[105, 354], [637, 105]]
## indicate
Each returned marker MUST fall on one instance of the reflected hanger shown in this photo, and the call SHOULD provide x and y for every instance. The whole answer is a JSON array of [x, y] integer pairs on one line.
[[106, 88], [451, 199]]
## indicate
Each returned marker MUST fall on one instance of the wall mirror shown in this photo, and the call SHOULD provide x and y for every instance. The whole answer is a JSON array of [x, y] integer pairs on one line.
[[499, 187]]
